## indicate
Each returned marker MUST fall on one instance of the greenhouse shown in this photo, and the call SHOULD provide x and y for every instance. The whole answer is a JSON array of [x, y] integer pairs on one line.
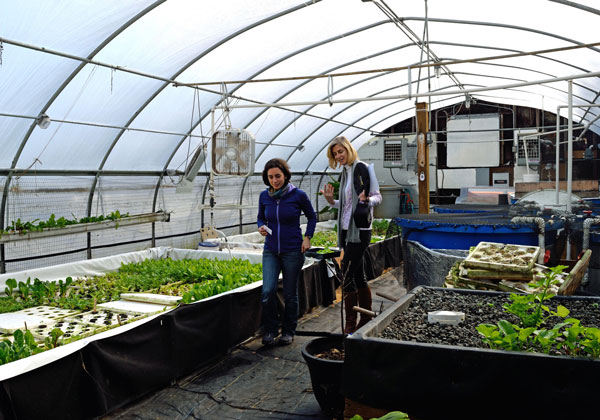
[[187, 229]]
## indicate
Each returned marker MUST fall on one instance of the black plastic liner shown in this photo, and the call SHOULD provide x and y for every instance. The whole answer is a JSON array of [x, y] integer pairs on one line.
[[110, 373], [428, 267], [435, 382]]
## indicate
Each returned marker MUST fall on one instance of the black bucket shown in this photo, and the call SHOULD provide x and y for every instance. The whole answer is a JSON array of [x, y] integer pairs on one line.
[[326, 375]]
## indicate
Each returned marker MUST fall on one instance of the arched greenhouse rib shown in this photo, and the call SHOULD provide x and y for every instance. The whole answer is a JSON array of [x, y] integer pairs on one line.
[[135, 222]]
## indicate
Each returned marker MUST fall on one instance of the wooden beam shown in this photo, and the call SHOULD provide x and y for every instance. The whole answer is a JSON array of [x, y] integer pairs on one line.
[[423, 156]]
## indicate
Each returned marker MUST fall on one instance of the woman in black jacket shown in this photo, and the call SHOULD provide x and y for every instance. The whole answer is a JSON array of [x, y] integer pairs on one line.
[[359, 193]]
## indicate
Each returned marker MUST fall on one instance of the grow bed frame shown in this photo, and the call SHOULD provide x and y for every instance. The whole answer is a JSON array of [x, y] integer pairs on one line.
[[434, 381]]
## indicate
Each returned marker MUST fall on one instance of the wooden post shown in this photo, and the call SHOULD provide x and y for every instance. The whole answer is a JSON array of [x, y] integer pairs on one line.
[[423, 156]]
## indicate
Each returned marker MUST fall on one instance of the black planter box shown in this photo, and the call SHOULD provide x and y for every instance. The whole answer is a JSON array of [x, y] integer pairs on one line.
[[430, 381]]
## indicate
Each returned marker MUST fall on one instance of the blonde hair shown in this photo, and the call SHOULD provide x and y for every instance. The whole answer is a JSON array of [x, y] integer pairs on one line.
[[345, 143]]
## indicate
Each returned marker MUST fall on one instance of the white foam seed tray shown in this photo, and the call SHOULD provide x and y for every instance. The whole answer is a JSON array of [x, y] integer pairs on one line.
[[49, 312], [503, 257], [12, 321], [69, 328], [104, 318]]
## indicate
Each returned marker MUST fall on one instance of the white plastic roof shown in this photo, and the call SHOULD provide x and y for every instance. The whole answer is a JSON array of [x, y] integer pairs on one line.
[[111, 65]]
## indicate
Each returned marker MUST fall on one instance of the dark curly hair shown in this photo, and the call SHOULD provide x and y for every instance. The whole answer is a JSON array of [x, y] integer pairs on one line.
[[276, 163]]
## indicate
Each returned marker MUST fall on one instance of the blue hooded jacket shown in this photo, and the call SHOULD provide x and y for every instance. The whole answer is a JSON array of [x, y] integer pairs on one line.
[[283, 218]]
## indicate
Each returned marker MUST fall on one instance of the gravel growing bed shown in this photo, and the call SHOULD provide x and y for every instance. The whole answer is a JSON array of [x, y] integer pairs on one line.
[[412, 324]]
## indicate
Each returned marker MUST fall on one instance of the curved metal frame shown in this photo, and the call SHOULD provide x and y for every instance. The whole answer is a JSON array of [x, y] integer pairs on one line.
[[275, 62]]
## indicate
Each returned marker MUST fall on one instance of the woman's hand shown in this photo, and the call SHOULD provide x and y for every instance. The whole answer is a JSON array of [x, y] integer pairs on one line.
[[305, 244], [363, 197], [328, 193], [263, 231]]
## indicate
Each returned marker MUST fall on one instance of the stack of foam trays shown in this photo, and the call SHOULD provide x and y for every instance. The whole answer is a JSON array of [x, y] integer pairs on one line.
[[496, 266]]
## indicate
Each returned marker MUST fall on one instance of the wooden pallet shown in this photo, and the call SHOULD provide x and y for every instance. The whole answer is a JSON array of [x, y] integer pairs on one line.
[[576, 274]]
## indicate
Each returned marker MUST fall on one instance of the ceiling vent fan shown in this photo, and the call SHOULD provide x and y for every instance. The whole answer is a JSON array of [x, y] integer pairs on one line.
[[233, 153]]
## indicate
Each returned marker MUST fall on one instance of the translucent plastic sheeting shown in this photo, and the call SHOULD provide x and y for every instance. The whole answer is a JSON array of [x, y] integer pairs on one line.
[[238, 40]]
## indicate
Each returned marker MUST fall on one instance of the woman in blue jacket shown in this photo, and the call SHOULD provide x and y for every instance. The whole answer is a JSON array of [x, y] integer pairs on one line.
[[279, 209]]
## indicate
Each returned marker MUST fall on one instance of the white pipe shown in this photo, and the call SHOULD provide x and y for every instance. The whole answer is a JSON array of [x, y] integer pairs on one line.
[[570, 148], [558, 131], [541, 234], [526, 155], [557, 164], [587, 223]]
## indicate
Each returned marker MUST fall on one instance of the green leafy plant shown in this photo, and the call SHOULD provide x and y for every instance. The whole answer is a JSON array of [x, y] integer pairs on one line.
[[11, 284], [532, 334], [530, 308], [23, 345], [17, 226], [380, 227], [324, 239], [52, 340]]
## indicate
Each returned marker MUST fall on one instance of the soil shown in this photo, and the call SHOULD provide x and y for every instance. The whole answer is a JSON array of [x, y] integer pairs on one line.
[[412, 324], [331, 354]]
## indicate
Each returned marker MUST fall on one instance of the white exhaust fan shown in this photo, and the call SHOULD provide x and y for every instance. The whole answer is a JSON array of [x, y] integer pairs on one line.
[[233, 153], [187, 181]]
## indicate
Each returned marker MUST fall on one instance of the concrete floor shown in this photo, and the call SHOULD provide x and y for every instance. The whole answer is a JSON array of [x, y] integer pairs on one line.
[[253, 381]]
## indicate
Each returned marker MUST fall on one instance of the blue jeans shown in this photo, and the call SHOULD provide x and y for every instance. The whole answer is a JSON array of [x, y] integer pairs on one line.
[[290, 263]]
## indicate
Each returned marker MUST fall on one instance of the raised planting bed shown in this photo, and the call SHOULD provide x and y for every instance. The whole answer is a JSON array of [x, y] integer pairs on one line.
[[86, 306], [434, 371]]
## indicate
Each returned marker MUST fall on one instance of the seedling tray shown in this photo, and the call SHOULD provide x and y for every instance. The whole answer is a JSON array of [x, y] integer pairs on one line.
[[503, 257], [49, 312], [70, 328], [314, 253], [12, 321], [104, 318]]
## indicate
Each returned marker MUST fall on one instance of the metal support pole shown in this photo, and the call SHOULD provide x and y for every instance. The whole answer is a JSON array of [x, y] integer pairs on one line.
[[557, 164], [570, 148]]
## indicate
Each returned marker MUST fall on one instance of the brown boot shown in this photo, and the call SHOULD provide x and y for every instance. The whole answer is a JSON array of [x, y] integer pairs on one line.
[[350, 300], [365, 302]]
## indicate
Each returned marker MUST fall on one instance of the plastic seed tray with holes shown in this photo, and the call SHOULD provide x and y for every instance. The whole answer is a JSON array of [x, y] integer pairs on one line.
[[48, 312], [104, 318], [503, 257], [69, 328], [12, 321]]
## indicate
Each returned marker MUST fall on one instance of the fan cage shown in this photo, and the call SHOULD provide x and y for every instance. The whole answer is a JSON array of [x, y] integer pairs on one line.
[[233, 153]]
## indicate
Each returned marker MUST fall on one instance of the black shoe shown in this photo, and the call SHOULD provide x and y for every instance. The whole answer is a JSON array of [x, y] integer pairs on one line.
[[268, 339], [286, 339]]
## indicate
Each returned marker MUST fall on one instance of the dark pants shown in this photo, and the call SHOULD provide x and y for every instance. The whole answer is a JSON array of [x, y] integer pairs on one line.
[[290, 265], [354, 252]]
